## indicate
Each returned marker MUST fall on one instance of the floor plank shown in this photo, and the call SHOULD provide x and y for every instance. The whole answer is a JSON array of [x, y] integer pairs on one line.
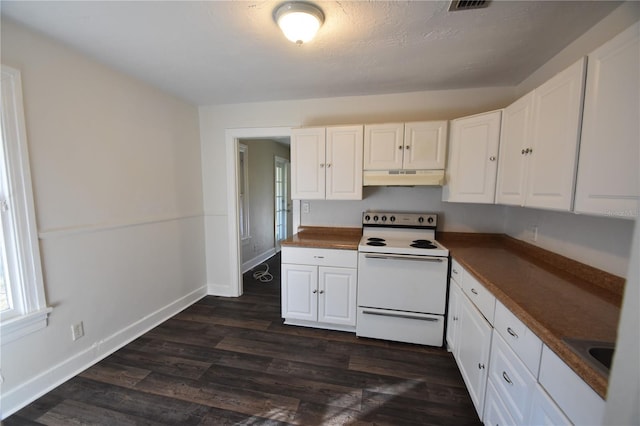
[[232, 361]]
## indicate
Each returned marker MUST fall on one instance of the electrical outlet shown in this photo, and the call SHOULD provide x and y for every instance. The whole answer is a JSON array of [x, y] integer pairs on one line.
[[535, 232], [305, 207], [77, 331]]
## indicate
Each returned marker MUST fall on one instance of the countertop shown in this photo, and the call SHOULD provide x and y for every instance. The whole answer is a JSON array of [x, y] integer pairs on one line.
[[554, 296], [325, 237]]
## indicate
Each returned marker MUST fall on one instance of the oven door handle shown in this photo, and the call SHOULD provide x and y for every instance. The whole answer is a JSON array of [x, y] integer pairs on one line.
[[389, 314], [404, 257]]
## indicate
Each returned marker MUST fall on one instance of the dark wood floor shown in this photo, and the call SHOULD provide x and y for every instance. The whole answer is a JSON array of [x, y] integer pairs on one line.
[[232, 361]]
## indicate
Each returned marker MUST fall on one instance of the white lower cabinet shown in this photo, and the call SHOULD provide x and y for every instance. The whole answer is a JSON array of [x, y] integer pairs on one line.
[[317, 294], [545, 412], [453, 315], [513, 382], [495, 412], [473, 343]]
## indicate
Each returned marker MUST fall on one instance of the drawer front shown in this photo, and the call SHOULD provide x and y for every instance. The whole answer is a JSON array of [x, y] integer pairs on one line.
[[545, 412], [320, 257], [511, 378], [576, 399], [495, 412], [520, 339], [456, 272], [480, 296], [423, 329]]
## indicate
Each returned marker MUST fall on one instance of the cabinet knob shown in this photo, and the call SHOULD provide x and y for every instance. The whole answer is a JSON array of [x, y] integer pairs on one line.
[[315, 291], [328, 165], [321, 292], [407, 147], [492, 158], [480, 366], [523, 152], [321, 165], [400, 147]]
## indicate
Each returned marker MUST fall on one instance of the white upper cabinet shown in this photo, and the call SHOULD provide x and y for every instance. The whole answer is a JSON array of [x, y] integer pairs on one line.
[[383, 146], [412, 146], [608, 180], [550, 158], [326, 163], [473, 159]]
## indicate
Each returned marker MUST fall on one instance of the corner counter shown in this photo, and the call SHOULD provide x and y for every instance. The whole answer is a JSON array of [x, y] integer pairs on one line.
[[556, 297], [325, 237]]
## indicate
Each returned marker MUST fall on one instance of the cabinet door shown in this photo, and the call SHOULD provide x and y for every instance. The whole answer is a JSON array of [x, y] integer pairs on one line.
[[425, 145], [300, 292], [608, 179], [453, 315], [495, 412], [308, 164], [383, 146], [473, 155], [474, 343], [344, 163], [337, 295], [545, 412], [515, 138], [557, 112]]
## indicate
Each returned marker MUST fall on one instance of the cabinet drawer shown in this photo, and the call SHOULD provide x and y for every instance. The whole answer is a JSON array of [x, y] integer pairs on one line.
[[578, 401], [545, 412], [480, 296], [511, 378], [457, 272], [495, 412], [320, 257], [519, 338]]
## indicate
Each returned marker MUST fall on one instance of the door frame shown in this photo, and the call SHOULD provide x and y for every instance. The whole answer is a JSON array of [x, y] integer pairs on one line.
[[287, 178], [232, 137]]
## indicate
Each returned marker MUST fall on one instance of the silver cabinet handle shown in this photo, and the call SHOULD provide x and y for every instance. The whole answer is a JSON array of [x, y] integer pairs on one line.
[[523, 152], [315, 291], [407, 147], [408, 316], [506, 378], [328, 165], [318, 257], [321, 165], [399, 146], [511, 332], [492, 158], [480, 366], [474, 291], [455, 271], [321, 291]]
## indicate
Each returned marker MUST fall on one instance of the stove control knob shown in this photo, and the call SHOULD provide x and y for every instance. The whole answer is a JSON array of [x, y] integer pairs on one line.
[[367, 218], [384, 218], [421, 219], [430, 220], [392, 218], [375, 218]]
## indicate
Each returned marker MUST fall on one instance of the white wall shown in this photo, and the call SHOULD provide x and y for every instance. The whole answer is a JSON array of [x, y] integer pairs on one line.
[[214, 119], [118, 194]]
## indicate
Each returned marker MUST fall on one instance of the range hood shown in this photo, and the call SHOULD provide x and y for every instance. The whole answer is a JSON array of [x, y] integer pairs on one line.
[[403, 177]]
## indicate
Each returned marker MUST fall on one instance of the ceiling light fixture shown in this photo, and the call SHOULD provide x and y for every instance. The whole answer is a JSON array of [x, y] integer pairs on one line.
[[299, 21]]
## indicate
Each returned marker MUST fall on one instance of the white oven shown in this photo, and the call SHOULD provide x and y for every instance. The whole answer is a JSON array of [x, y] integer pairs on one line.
[[402, 279]]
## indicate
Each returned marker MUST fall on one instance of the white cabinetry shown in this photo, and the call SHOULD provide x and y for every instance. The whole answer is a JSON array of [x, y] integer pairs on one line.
[[545, 412], [472, 351], [547, 166], [576, 399], [409, 146], [319, 287], [468, 335], [326, 163], [473, 159], [608, 178]]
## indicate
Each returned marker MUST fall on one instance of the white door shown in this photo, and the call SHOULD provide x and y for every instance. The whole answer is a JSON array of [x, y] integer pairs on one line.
[[344, 163], [282, 202], [557, 113], [337, 295], [308, 163], [515, 138], [425, 145], [473, 159], [608, 178], [300, 292], [472, 353], [383, 146]]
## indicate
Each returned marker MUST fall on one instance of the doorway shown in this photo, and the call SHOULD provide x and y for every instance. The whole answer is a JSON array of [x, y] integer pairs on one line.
[[282, 200], [233, 138]]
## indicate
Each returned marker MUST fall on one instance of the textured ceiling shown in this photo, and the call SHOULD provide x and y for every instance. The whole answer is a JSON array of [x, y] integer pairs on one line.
[[221, 52]]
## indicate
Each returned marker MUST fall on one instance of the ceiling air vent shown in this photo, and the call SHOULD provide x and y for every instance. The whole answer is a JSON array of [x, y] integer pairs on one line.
[[467, 4]]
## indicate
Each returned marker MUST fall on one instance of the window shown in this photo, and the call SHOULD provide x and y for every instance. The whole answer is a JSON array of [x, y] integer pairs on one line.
[[243, 190], [22, 302]]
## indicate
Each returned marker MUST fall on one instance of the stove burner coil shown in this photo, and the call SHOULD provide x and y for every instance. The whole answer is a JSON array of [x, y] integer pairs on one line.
[[376, 243], [423, 244], [376, 239]]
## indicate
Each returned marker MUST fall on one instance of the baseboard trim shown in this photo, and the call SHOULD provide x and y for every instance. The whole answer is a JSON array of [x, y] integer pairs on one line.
[[33, 389], [252, 263]]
